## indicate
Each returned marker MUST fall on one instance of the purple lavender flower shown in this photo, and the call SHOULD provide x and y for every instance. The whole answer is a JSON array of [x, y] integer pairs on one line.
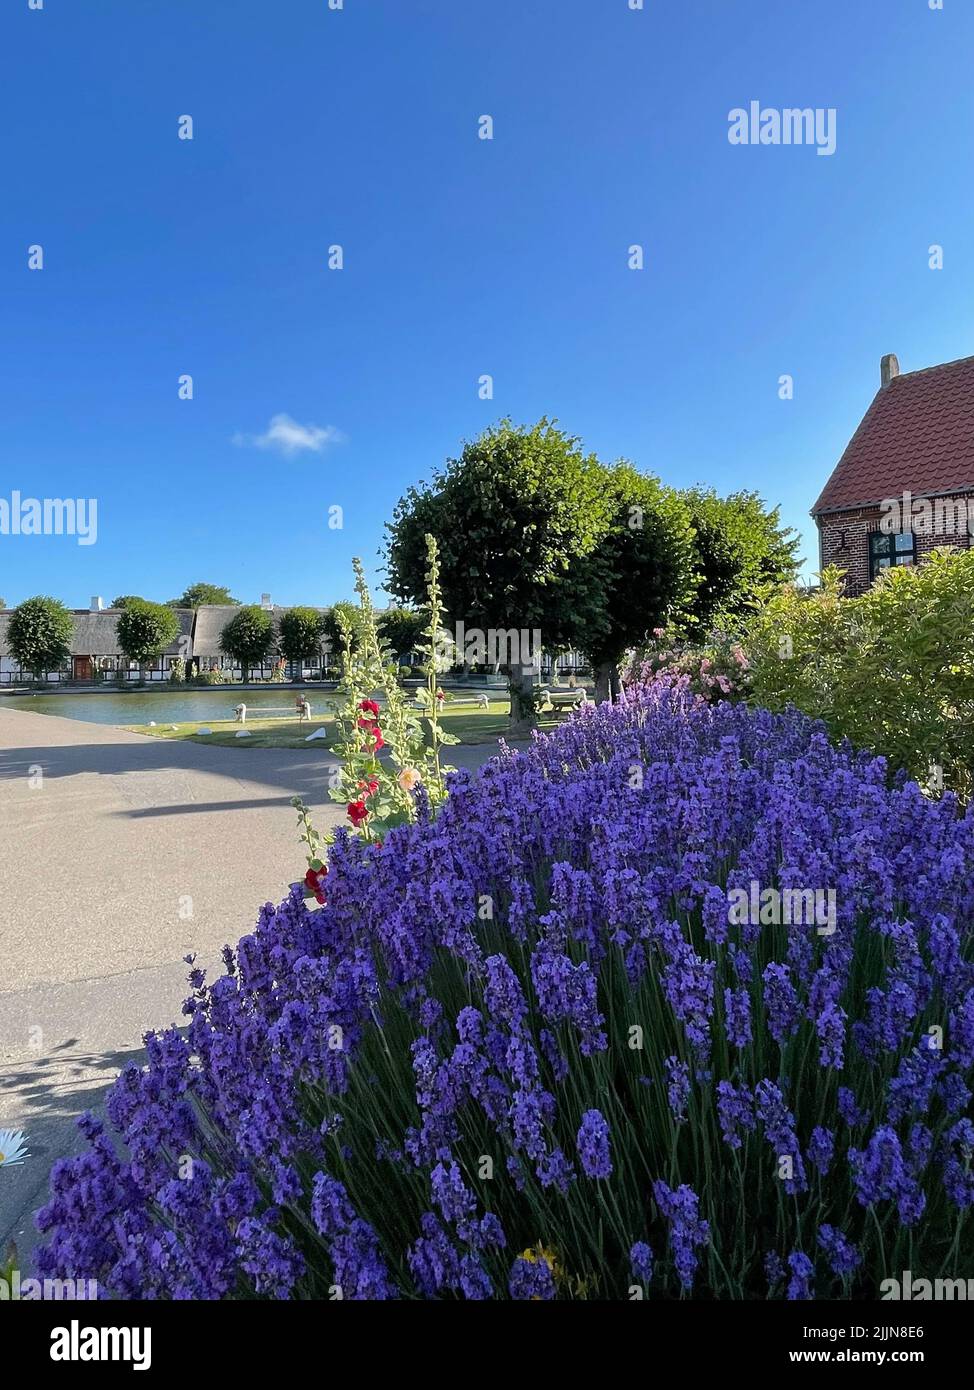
[[641, 1260], [780, 1002], [679, 1207], [843, 1256], [802, 1270], [678, 1087], [779, 1130], [737, 1021], [958, 1166], [593, 1145], [531, 1279], [735, 1112], [774, 1270], [821, 1148], [880, 1174]]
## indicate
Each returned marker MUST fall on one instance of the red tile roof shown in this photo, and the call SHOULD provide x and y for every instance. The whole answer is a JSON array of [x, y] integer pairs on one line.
[[917, 436]]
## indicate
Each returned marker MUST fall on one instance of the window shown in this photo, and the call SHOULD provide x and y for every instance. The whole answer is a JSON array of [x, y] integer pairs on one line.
[[886, 550]]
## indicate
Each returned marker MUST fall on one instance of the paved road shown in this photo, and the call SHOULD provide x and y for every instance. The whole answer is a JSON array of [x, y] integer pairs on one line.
[[119, 854]]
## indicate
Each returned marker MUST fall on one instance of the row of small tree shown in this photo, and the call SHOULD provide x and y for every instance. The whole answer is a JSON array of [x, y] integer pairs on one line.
[[41, 628]]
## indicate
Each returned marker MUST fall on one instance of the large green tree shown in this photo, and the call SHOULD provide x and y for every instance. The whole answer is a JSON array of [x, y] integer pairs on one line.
[[248, 638], [144, 631], [512, 516], [743, 553], [334, 642], [39, 635], [641, 572], [198, 594], [403, 629], [123, 600], [301, 634]]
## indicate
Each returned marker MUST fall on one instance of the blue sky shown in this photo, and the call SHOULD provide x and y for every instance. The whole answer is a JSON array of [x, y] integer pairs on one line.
[[358, 127]]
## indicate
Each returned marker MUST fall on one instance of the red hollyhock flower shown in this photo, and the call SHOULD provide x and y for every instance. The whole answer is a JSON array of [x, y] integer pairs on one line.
[[379, 740], [371, 786], [314, 881], [357, 812], [369, 707]]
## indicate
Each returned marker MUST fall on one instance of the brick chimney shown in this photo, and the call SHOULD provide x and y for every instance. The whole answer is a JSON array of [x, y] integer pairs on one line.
[[889, 367]]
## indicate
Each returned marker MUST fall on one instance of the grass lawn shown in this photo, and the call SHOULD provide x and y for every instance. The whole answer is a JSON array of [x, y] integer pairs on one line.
[[471, 725]]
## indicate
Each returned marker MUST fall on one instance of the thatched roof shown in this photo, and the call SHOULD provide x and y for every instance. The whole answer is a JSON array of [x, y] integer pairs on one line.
[[94, 633], [211, 619]]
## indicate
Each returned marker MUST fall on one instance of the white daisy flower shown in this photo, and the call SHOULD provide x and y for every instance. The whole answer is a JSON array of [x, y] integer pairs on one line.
[[13, 1147]]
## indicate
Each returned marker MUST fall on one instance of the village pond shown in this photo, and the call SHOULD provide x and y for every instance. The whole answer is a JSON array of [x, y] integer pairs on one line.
[[168, 706]]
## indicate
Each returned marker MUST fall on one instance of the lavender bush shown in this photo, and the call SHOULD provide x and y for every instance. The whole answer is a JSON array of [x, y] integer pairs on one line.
[[521, 1052]]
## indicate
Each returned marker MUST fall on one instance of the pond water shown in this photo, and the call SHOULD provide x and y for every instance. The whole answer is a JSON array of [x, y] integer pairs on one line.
[[164, 706]]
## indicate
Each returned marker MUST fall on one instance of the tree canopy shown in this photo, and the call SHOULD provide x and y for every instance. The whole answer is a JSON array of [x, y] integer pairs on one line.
[[512, 516], [535, 534], [742, 553], [39, 635], [641, 573], [196, 595], [144, 630], [124, 600], [301, 634], [248, 637], [402, 628]]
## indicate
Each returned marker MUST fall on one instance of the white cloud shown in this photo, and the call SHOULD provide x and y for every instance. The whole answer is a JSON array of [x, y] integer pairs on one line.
[[285, 436]]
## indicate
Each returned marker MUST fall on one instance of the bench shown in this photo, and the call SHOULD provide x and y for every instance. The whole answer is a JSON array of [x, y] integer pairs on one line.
[[565, 698], [269, 712], [480, 700]]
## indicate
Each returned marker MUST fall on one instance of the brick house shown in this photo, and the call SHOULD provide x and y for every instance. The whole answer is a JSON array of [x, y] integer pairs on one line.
[[905, 484]]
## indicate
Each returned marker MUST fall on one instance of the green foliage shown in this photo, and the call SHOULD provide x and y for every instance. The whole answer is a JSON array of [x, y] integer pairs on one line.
[[402, 629], [145, 629], [742, 554], [510, 517], [248, 638], [641, 572], [215, 676], [177, 671], [342, 617], [198, 594], [893, 670], [39, 635], [124, 600], [301, 633]]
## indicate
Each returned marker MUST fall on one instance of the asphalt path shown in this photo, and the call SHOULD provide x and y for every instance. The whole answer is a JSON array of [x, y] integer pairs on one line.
[[119, 855]]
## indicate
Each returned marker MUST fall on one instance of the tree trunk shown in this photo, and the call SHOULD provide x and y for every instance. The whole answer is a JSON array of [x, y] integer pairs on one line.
[[607, 685], [523, 685]]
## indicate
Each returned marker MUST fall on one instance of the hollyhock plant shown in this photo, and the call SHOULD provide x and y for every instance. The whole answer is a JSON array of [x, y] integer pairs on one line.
[[394, 1091]]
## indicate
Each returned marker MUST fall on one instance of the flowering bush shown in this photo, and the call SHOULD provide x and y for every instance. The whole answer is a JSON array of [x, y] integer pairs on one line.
[[717, 670], [893, 670], [526, 1049]]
